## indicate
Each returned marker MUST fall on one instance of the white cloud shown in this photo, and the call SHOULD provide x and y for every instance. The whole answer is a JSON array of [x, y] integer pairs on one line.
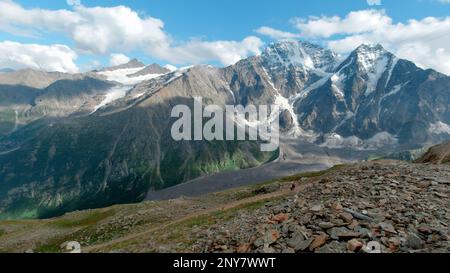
[[103, 30], [426, 42], [118, 59], [226, 52], [354, 22], [374, 2], [276, 34], [50, 58], [95, 30]]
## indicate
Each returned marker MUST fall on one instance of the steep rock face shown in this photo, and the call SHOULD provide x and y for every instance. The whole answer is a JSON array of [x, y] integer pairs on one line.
[[21, 105], [117, 153], [66, 97], [372, 92]]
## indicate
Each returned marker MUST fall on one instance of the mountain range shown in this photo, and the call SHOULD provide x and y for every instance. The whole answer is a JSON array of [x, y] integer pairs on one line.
[[77, 141]]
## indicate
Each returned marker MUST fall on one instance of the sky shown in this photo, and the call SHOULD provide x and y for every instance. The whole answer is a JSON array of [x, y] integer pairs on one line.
[[81, 35]]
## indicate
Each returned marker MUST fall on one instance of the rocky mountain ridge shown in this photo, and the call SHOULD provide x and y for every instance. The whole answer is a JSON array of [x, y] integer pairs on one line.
[[110, 142]]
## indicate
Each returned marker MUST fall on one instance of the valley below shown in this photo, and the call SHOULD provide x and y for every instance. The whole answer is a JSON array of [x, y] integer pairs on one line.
[[295, 156]]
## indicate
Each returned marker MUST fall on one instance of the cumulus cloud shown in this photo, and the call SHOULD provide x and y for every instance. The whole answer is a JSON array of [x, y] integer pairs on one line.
[[46, 57], [95, 30], [354, 22], [276, 34], [425, 42], [226, 52], [102, 30], [118, 59]]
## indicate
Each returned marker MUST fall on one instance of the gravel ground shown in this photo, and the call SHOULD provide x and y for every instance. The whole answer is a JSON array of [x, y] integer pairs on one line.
[[369, 207]]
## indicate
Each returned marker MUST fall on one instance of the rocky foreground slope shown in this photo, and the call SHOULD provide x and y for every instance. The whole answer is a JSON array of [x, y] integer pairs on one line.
[[439, 154], [393, 205], [403, 207]]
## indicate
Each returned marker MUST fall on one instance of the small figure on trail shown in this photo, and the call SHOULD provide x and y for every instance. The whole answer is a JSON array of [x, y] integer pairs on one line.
[[292, 186]]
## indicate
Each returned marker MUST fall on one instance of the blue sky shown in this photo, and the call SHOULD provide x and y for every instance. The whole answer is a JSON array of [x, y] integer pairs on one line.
[[217, 32]]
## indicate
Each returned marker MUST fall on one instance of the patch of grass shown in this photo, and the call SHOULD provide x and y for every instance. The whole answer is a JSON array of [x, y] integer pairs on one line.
[[88, 220], [2, 232], [48, 249], [310, 174], [225, 215], [266, 186], [251, 206], [181, 233], [297, 177], [54, 245]]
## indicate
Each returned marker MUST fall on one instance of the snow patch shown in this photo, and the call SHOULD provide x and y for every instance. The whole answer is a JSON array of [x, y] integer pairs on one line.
[[127, 83], [439, 128], [394, 91], [393, 65], [337, 86], [381, 139], [377, 141], [138, 95], [286, 104], [113, 94], [375, 74], [302, 94], [121, 76], [172, 68], [337, 141]]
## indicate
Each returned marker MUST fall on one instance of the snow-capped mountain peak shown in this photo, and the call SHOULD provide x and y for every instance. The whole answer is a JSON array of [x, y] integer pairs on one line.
[[372, 57], [370, 63], [299, 54]]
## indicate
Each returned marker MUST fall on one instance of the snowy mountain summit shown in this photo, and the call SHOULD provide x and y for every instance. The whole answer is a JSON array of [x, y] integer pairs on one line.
[[299, 54]]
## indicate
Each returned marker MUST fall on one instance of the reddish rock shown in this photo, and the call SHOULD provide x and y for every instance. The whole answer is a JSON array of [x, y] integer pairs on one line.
[[272, 236], [244, 248], [353, 225], [318, 242], [354, 245], [337, 206], [280, 218], [347, 217]]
